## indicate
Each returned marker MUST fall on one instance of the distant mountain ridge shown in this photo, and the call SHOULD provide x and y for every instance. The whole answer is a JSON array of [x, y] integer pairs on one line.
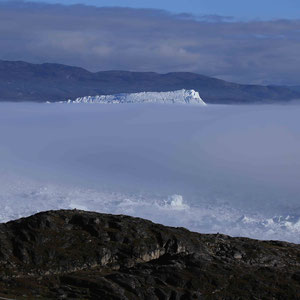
[[21, 81]]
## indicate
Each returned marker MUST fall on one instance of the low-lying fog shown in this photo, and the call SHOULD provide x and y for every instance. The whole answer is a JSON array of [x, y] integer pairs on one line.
[[229, 169]]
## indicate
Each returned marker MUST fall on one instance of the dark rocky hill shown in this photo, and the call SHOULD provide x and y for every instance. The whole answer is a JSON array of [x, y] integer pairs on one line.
[[21, 81], [86, 255]]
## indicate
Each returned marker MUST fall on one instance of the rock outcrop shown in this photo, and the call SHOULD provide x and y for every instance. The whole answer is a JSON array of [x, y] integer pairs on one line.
[[71, 254]]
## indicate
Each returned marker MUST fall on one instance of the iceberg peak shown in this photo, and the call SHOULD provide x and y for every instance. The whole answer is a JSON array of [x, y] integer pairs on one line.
[[173, 97]]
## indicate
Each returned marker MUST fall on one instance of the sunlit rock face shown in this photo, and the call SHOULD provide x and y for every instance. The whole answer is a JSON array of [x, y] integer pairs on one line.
[[173, 97]]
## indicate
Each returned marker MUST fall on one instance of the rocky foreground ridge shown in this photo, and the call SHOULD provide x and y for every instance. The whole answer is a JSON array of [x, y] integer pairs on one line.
[[71, 254]]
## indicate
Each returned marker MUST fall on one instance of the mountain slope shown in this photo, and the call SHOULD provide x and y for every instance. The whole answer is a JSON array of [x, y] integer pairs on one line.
[[295, 88], [86, 255], [21, 81]]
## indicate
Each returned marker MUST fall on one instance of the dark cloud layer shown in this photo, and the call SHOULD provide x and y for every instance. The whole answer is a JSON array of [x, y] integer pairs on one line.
[[151, 40]]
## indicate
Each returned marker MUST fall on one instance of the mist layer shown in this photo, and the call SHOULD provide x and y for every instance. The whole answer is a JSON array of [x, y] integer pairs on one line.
[[229, 169]]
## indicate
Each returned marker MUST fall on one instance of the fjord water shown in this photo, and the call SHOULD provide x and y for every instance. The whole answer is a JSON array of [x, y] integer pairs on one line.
[[229, 169]]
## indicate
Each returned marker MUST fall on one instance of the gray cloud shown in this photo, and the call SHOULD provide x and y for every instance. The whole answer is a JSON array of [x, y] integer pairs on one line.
[[151, 40]]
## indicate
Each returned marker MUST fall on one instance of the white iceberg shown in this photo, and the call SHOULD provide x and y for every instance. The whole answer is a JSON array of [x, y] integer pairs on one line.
[[173, 97]]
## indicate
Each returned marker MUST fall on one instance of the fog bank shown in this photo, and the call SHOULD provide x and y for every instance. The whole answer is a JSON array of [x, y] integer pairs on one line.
[[230, 169]]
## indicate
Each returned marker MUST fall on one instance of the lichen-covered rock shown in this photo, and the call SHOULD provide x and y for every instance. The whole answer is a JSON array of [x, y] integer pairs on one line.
[[71, 254]]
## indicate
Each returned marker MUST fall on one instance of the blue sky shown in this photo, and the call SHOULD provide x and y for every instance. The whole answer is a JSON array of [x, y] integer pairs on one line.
[[262, 9]]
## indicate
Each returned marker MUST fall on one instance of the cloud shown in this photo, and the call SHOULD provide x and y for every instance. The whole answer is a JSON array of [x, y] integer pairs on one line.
[[151, 40]]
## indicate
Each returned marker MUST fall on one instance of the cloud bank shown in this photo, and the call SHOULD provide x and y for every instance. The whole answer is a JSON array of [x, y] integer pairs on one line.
[[151, 40]]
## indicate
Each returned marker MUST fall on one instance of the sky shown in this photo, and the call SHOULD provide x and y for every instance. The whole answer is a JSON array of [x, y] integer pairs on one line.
[[255, 42], [263, 9]]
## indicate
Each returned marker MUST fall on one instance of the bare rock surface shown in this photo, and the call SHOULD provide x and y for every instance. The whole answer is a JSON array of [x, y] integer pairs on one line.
[[71, 254]]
